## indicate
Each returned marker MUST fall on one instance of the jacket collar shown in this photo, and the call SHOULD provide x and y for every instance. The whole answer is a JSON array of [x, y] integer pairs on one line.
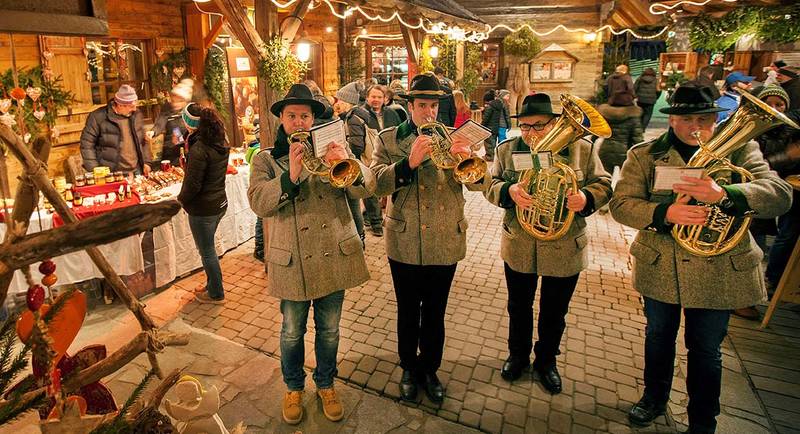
[[660, 145], [406, 129]]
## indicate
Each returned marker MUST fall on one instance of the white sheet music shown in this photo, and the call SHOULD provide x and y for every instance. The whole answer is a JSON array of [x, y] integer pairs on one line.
[[522, 161], [324, 134], [471, 132], [666, 176]]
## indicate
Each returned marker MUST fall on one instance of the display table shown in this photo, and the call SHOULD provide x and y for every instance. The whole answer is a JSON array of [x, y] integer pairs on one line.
[[173, 250]]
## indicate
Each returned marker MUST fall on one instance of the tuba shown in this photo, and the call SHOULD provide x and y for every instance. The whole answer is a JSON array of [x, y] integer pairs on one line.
[[341, 174], [548, 218], [722, 232], [465, 170]]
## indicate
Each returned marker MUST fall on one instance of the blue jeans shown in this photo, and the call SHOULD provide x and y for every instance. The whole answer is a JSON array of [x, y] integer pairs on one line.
[[358, 219], [788, 231], [502, 133], [704, 331], [203, 229], [327, 313]]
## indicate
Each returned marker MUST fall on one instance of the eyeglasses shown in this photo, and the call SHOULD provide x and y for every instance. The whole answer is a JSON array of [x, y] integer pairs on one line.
[[539, 126]]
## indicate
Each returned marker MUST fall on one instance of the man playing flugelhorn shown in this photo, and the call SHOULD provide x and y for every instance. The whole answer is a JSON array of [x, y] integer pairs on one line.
[[314, 250], [426, 234], [526, 257]]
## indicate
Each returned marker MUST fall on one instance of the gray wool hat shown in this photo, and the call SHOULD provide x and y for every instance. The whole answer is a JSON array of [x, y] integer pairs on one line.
[[349, 93]]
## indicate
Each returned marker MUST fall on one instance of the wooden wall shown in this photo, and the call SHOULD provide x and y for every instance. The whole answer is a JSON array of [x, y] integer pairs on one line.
[[588, 68], [158, 21], [313, 28]]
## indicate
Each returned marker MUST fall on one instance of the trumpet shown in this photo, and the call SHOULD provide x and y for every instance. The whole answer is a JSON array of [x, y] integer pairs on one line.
[[340, 173], [466, 170]]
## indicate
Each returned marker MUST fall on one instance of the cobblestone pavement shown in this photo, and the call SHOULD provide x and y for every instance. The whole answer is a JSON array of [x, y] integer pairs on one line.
[[602, 350]]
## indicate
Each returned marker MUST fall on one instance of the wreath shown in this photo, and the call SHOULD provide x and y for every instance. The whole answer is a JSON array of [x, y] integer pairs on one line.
[[38, 98], [165, 74]]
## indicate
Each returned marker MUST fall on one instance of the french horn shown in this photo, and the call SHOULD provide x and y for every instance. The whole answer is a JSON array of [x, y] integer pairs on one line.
[[340, 173]]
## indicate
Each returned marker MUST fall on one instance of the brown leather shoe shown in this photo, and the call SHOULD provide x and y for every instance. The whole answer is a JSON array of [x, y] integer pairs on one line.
[[331, 405], [750, 313], [293, 407]]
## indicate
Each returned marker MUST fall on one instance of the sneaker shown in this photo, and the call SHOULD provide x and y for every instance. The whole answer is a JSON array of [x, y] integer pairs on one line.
[[293, 407], [331, 405], [203, 297], [377, 230]]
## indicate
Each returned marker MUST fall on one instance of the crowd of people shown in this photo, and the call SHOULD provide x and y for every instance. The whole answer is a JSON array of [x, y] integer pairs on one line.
[[317, 230]]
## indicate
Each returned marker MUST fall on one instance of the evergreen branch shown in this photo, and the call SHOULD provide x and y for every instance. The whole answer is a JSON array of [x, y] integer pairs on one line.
[[16, 407], [120, 424], [137, 392], [58, 305], [19, 364]]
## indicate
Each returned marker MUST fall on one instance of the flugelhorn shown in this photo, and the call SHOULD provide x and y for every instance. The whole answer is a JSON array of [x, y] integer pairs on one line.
[[548, 218], [723, 232], [340, 173], [466, 170]]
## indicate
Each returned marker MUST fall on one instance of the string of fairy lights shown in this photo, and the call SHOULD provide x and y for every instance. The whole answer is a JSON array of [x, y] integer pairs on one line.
[[460, 34]]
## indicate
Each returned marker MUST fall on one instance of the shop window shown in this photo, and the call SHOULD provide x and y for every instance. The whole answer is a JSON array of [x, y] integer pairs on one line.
[[389, 63], [114, 62], [489, 62]]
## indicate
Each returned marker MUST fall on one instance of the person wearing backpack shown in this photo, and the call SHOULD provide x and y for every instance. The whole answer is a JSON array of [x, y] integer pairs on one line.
[[363, 124]]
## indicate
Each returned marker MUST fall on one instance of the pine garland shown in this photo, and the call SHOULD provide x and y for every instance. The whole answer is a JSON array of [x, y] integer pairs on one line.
[[214, 79], [53, 98], [523, 43], [770, 24], [780, 24], [161, 72]]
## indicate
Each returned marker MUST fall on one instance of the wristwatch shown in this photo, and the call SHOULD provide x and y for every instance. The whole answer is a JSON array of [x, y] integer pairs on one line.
[[726, 201]]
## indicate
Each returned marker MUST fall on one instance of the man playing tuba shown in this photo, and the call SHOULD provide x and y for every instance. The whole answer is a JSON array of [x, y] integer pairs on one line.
[[671, 278], [314, 250], [426, 234], [559, 261]]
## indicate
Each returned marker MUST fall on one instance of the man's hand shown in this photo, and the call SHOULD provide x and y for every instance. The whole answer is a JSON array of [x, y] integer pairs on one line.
[[681, 213], [335, 152], [576, 201], [419, 150], [520, 196], [461, 147], [702, 190], [146, 169], [295, 160]]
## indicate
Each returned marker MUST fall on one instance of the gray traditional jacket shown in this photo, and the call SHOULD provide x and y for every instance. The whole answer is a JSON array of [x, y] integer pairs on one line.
[[664, 271], [425, 223], [314, 249], [522, 252]]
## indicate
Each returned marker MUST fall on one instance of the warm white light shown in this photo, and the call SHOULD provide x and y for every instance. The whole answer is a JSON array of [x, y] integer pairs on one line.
[[590, 37], [201, 1], [329, 29], [434, 51], [303, 51], [364, 31]]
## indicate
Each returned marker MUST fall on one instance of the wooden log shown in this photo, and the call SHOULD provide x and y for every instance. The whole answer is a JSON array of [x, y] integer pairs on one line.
[[102, 229], [241, 27], [37, 172], [141, 343], [291, 24], [25, 201]]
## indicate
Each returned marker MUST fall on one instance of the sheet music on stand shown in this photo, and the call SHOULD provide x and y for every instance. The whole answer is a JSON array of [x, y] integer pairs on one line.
[[323, 135], [471, 132]]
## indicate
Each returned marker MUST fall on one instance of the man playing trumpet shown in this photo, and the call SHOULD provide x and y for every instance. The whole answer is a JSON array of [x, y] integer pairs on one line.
[[425, 235], [314, 252], [526, 258]]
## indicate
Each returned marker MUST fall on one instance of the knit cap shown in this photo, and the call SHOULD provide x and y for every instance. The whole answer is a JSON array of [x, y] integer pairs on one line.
[[126, 95], [772, 90], [348, 93]]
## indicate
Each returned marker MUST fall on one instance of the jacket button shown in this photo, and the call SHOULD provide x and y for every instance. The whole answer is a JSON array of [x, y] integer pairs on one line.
[[438, 187], [326, 254], [303, 229], [441, 207], [422, 187], [401, 180], [423, 226], [284, 196], [324, 225], [308, 257]]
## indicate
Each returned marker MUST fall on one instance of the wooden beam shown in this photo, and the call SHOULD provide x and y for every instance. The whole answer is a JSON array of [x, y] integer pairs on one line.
[[241, 28], [291, 24], [196, 27], [267, 27], [411, 45], [213, 33]]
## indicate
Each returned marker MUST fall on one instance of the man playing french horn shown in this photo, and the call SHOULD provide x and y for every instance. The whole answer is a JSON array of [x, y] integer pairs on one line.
[[684, 257], [314, 250], [527, 257], [425, 232]]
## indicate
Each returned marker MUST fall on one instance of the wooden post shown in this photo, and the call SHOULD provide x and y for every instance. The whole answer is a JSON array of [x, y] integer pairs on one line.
[[196, 29], [291, 24], [266, 29], [460, 62]]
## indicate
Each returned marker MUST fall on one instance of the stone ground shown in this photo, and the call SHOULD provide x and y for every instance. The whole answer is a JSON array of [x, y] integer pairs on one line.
[[601, 361]]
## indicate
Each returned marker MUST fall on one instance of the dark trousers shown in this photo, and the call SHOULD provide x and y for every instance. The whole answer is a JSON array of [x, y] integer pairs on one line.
[[373, 212], [259, 250], [647, 113], [489, 144], [553, 306], [358, 219], [788, 231], [422, 292], [704, 331]]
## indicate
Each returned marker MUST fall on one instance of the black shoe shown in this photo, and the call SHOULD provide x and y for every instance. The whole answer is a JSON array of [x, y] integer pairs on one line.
[[644, 412], [513, 368], [366, 222], [550, 379], [434, 388], [408, 386], [377, 230], [259, 256]]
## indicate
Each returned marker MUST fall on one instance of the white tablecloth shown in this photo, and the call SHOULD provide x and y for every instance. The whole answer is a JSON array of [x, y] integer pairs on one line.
[[174, 249]]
